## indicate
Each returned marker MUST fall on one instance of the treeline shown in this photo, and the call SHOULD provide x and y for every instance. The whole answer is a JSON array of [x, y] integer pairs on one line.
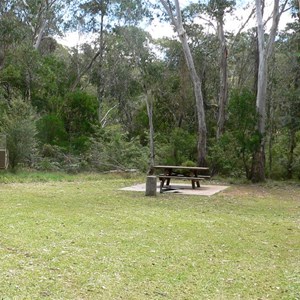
[[88, 107]]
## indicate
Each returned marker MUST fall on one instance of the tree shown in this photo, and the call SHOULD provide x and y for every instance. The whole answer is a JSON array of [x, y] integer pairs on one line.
[[265, 49], [18, 124], [100, 17], [42, 17], [217, 9], [175, 16]]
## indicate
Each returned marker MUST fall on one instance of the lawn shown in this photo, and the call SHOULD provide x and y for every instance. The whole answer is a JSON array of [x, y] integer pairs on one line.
[[79, 237]]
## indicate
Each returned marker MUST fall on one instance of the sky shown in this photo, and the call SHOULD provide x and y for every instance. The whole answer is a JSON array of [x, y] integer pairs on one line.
[[158, 29]]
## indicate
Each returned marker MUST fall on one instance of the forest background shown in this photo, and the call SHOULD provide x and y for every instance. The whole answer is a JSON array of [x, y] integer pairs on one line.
[[125, 100]]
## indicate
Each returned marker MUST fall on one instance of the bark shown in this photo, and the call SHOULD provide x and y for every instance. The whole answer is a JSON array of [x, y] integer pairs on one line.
[[258, 164], [100, 89], [264, 52], [149, 104], [223, 91], [176, 20], [292, 147], [82, 72], [39, 37], [105, 118]]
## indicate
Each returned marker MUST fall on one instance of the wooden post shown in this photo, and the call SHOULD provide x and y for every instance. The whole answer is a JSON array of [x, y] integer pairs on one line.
[[151, 186]]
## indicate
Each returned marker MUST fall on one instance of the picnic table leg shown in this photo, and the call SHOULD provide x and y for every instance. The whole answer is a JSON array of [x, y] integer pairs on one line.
[[169, 173], [162, 181], [198, 183], [193, 184]]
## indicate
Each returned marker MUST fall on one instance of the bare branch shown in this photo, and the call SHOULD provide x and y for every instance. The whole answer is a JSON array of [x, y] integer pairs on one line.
[[277, 12], [169, 11], [104, 119], [209, 22], [87, 67], [242, 27]]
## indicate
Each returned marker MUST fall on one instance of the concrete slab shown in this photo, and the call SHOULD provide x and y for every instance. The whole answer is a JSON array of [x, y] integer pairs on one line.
[[183, 189]]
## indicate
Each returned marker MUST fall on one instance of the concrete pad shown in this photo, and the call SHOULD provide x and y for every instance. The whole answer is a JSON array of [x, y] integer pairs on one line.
[[183, 189]]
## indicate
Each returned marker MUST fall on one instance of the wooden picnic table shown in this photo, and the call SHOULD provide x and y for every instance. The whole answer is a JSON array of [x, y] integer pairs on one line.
[[194, 174]]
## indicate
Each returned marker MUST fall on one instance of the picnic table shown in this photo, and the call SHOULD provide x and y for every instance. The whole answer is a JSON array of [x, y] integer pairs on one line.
[[194, 174]]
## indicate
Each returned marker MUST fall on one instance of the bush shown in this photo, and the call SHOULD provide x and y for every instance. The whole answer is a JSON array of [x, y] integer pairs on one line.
[[18, 123], [110, 149], [232, 154], [55, 158], [51, 130], [79, 115], [179, 147]]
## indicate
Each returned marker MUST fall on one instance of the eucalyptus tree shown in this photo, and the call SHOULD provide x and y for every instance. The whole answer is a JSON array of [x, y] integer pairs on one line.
[[217, 9], [173, 11], [288, 90], [12, 33], [44, 18], [99, 18], [147, 69], [265, 49]]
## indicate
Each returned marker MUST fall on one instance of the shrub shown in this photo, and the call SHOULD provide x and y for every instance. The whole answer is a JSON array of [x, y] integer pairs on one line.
[[51, 130], [110, 149], [55, 158], [232, 154], [19, 125], [180, 146]]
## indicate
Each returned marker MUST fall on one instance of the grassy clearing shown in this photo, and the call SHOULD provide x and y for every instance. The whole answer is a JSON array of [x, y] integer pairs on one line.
[[81, 238]]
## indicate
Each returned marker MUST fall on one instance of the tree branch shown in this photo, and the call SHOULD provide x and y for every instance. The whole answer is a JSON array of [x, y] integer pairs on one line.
[[242, 27], [87, 67], [277, 12], [167, 6]]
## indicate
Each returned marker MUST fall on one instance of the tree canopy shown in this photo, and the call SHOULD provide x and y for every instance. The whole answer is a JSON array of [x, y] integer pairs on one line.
[[208, 93]]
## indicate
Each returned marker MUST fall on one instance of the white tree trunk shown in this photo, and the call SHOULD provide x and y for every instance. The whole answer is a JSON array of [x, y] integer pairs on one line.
[[39, 37], [223, 90], [262, 71], [149, 104], [265, 50], [176, 20]]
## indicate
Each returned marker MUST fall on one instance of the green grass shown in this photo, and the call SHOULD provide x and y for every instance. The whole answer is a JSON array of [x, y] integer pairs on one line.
[[79, 237]]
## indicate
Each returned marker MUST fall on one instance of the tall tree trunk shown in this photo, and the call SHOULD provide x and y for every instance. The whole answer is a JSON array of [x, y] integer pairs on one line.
[[149, 103], [264, 50], [223, 90], [258, 163], [292, 146], [38, 38], [202, 131], [100, 88]]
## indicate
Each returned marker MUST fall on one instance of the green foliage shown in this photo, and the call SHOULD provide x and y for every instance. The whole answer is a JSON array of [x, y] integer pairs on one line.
[[280, 155], [51, 130], [189, 163], [179, 147], [120, 66], [79, 115], [110, 149], [233, 152], [12, 74], [225, 156], [51, 83], [55, 158], [296, 163], [18, 123]]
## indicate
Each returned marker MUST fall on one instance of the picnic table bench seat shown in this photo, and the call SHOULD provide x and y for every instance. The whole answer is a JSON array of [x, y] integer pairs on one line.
[[194, 179]]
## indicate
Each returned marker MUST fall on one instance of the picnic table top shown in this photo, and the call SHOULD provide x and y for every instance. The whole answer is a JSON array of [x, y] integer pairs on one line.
[[179, 167]]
